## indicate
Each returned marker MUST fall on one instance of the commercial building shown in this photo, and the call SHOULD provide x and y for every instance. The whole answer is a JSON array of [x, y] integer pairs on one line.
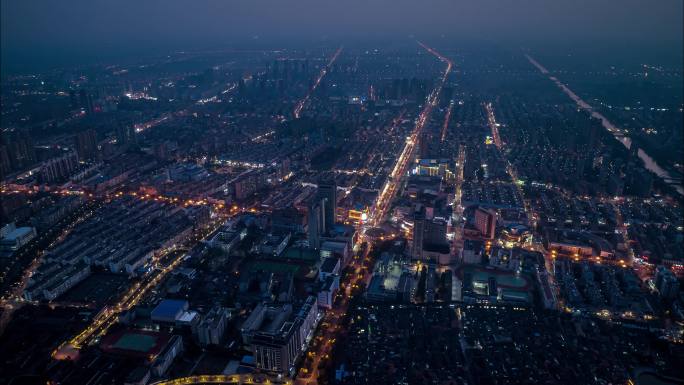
[[435, 231], [429, 236]]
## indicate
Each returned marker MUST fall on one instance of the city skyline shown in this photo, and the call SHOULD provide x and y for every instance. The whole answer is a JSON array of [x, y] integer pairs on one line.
[[64, 33], [319, 193]]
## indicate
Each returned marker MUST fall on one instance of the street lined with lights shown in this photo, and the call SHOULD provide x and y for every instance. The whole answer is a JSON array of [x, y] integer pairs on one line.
[[302, 103], [330, 330]]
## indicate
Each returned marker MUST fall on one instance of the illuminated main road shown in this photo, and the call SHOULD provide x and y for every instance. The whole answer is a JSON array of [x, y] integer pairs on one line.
[[445, 126], [389, 190], [302, 103], [491, 120], [329, 333], [457, 206]]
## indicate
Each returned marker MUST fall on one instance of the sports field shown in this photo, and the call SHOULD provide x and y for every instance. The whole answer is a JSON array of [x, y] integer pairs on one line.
[[137, 342]]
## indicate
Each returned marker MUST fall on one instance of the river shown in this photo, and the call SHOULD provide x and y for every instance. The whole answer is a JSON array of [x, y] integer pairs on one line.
[[649, 162]]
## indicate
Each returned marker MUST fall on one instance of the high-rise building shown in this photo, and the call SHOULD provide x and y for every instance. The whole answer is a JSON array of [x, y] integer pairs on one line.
[[485, 222], [86, 144], [424, 145], [418, 230], [125, 134], [20, 151], [59, 167], [327, 194], [314, 223]]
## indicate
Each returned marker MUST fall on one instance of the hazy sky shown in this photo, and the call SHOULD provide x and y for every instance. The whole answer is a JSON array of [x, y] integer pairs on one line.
[[45, 29]]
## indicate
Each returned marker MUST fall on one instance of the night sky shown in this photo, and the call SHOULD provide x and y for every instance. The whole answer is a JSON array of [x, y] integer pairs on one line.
[[58, 30]]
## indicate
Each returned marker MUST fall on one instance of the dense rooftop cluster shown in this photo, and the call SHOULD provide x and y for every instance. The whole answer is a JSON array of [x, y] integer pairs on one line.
[[337, 215]]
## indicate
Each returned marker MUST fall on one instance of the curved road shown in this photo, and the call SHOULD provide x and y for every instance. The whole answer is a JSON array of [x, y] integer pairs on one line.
[[225, 379]]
